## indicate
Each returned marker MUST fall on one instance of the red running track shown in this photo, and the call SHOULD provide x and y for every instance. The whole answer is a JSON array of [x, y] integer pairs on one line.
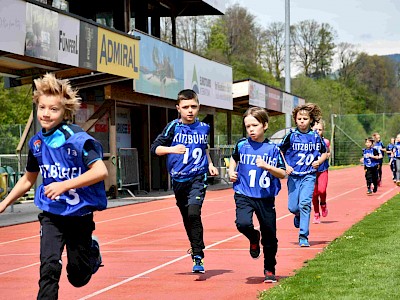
[[144, 247]]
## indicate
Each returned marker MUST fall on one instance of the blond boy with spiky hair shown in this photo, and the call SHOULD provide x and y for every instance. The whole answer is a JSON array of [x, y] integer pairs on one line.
[[70, 163]]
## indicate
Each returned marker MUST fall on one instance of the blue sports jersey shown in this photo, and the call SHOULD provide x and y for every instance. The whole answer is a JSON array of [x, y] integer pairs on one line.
[[390, 148], [396, 150], [253, 181], [369, 161], [301, 150], [195, 138], [325, 165], [379, 146], [59, 160]]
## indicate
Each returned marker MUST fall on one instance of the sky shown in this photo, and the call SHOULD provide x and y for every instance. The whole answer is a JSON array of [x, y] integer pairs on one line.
[[372, 26]]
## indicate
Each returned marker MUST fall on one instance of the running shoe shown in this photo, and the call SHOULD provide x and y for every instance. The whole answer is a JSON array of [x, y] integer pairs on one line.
[[375, 189], [369, 192], [324, 210], [317, 218], [255, 250], [270, 277], [198, 264], [303, 242], [398, 183], [95, 255], [296, 221]]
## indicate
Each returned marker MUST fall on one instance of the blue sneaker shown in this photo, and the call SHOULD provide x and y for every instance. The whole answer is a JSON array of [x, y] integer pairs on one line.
[[198, 264], [296, 221], [95, 255], [303, 242]]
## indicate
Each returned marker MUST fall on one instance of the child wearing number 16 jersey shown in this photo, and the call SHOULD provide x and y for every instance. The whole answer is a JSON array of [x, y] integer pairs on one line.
[[255, 166]]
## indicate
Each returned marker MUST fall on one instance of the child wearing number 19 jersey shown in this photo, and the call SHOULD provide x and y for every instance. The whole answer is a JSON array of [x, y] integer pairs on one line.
[[255, 168], [185, 142]]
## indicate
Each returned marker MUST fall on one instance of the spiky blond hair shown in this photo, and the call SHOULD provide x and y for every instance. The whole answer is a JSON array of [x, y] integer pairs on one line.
[[49, 85]]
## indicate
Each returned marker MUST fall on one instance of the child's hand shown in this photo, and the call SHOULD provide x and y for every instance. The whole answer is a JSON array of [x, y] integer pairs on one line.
[[233, 176], [213, 170], [178, 149], [289, 170], [315, 164], [54, 189], [262, 164]]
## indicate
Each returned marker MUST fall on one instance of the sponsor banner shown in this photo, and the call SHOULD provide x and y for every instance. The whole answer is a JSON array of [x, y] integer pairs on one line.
[[123, 127], [117, 54], [287, 103], [210, 80], [12, 26], [257, 94], [41, 39], [161, 68], [87, 46], [68, 40], [274, 99]]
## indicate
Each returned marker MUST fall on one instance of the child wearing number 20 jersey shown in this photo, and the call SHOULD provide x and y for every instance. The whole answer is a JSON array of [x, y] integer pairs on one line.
[[255, 168]]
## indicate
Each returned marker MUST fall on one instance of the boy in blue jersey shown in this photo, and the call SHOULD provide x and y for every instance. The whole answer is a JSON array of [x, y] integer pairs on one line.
[[255, 167], [185, 142], [72, 169], [304, 151], [378, 144], [390, 152], [371, 158]]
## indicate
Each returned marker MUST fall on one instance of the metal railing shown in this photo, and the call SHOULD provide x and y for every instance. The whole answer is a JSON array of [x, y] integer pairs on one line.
[[128, 169]]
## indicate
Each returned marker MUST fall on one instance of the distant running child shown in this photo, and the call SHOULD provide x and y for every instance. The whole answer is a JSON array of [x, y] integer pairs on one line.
[[304, 151], [321, 183], [370, 159], [72, 169], [185, 142], [390, 152], [378, 144], [396, 158], [255, 166]]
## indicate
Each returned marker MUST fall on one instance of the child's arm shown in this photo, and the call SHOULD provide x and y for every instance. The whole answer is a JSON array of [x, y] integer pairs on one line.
[[177, 149], [277, 172], [97, 172], [213, 170], [232, 170], [22, 186], [289, 169], [320, 160]]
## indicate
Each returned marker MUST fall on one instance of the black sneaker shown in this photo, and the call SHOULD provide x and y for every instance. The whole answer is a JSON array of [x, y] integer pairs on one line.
[[255, 250], [95, 255], [375, 189], [270, 277]]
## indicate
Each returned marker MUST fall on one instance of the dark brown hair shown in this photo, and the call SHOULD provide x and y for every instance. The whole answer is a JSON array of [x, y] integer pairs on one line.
[[311, 109], [187, 95], [260, 114]]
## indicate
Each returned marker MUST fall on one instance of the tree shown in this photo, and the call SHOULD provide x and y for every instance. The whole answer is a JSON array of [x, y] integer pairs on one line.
[[274, 54]]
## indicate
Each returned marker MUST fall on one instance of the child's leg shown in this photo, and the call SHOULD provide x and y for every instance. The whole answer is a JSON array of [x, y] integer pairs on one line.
[[244, 217], [266, 215], [51, 247], [293, 184], [375, 176], [397, 169], [368, 177], [79, 241], [305, 198], [322, 185], [315, 197]]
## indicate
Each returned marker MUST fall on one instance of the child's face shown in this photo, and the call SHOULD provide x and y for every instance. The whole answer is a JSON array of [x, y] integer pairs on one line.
[[319, 128], [368, 144], [50, 111], [188, 109], [255, 129], [303, 121]]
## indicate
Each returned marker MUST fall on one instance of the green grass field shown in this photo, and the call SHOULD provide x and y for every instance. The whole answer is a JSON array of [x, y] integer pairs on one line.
[[364, 263]]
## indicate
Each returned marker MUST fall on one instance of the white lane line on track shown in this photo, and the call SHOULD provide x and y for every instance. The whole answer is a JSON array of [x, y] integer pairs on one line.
[[19, 240], [185, 256], [387, 192]]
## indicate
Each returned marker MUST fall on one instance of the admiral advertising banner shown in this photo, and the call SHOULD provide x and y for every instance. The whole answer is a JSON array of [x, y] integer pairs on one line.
[[210, 80], [117, 54], [12, 26]]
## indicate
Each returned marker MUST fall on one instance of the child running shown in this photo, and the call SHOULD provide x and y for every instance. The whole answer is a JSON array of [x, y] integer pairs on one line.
[[321, 182], [255, 166], [390, 152], [304, 151], [185, 142], [72, 169], [371, 157]]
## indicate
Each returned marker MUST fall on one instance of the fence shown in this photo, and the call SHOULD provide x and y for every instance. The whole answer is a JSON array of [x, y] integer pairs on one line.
[[219, 156], [128, 169]]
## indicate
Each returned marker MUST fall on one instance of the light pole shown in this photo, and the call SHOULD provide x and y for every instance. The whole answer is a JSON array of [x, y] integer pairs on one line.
[[288, 116]]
